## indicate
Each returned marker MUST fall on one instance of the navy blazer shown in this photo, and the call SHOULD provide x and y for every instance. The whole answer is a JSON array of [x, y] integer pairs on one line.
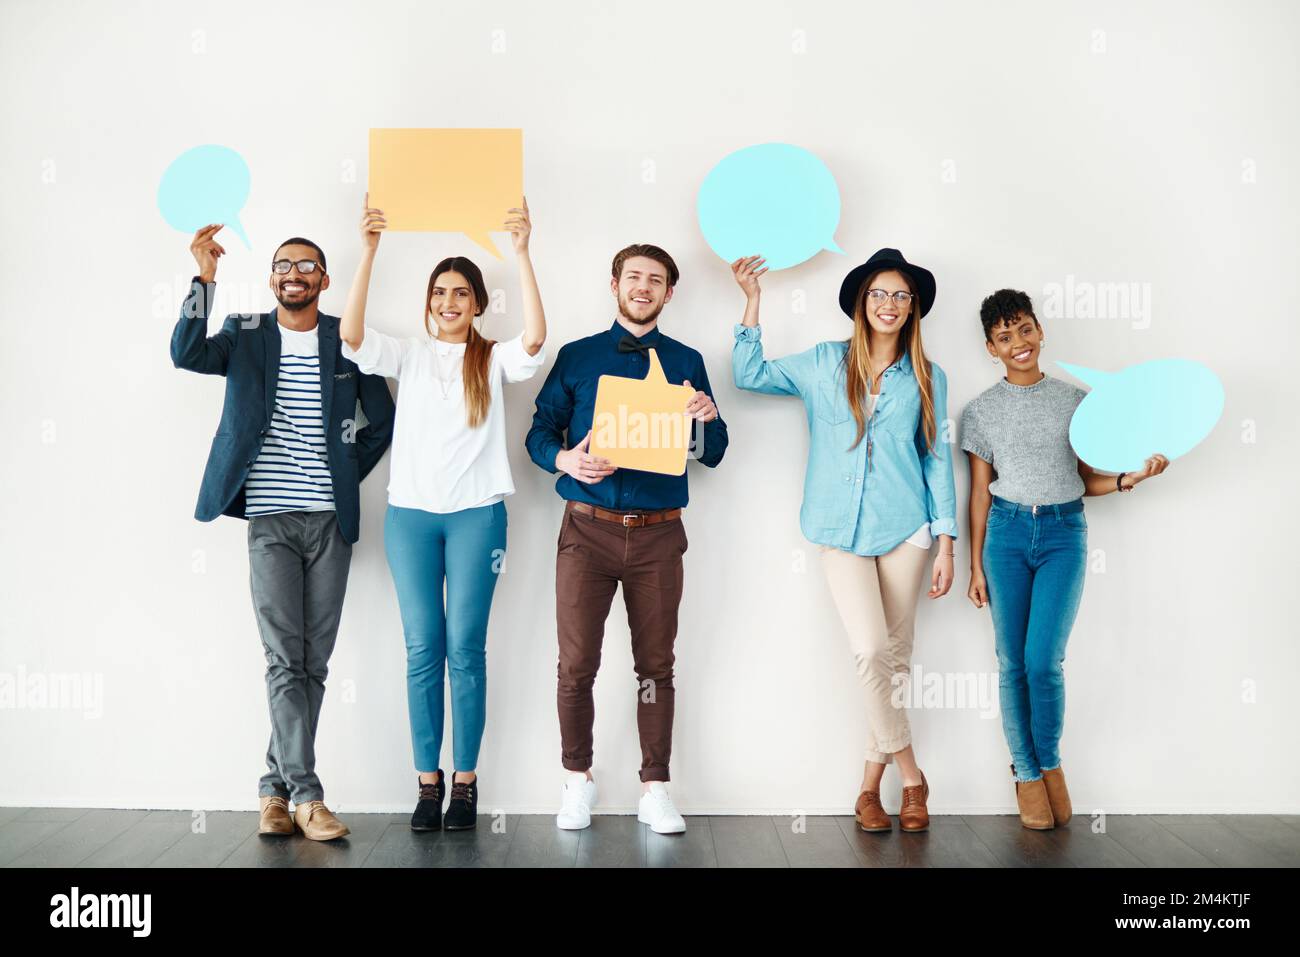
[[247, 352]]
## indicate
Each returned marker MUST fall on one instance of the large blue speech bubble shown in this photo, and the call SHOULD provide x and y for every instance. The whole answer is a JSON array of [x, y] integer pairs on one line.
[[1166, 406], [206, 184], [774, 200]]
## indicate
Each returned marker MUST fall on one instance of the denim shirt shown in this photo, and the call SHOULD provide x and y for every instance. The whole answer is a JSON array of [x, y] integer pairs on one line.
[[890, 484]]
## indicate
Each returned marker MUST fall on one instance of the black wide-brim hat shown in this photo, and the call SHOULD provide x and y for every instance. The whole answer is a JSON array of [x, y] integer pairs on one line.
[[921, 278]]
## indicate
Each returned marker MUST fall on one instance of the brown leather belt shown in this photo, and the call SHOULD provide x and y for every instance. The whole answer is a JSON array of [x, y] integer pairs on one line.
[[626, 519]]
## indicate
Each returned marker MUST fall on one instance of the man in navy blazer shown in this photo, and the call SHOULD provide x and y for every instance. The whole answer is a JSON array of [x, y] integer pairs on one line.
[[289, 458]]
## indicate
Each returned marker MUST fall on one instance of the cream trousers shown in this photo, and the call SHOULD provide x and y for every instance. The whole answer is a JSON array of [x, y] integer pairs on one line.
[[876, 597]]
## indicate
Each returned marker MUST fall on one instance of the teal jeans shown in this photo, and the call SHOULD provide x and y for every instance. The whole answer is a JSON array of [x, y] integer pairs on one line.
[[465, 550]]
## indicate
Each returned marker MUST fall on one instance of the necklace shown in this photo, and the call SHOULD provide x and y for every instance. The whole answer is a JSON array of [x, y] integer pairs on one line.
[[877, 373], [446, 379]]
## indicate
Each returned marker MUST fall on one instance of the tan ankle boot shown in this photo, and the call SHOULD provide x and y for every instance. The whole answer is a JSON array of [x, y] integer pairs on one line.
[[275, 817], [913, 815], [869, 814], [317, 822], [1035, 811], [1057, 796]]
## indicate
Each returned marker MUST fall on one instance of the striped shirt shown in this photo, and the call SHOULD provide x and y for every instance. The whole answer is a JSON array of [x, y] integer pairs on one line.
[[291, 471]]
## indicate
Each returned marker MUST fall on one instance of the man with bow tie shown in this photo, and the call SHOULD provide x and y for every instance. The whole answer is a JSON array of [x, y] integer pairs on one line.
[[620, 525]]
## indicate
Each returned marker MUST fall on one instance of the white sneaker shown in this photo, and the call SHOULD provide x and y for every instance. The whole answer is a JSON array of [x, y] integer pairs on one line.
[[578, 796], [656, 809]]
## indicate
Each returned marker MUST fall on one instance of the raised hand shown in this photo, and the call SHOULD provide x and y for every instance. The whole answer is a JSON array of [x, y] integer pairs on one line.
[[746, 272], [206, 251], [372, 224], [520, 226], [586, 468]]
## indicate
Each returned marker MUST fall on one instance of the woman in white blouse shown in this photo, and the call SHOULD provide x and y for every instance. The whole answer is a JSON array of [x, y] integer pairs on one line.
[[446, 518]]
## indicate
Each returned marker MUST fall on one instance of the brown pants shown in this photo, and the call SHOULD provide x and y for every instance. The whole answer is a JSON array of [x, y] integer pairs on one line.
[[592, 557]]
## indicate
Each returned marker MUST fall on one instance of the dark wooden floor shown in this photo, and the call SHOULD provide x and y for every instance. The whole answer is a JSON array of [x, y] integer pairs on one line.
[[88, 837]]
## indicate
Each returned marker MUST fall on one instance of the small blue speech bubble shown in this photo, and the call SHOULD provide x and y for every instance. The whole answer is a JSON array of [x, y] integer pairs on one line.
[[1166, 406], [774, 200], [206, 184]]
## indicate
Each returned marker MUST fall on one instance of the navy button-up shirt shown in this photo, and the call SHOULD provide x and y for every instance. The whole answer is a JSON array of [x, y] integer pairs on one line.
[[566, 405]]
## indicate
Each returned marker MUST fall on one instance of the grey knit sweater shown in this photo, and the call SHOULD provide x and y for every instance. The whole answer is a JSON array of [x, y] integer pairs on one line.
[[1023, 431]]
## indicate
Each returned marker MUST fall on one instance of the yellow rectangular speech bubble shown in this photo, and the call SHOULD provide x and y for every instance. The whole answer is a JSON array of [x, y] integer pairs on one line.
[[447, 181], [642, 423]]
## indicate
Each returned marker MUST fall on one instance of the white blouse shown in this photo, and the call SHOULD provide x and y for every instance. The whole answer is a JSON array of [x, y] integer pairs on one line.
[[439, 463]]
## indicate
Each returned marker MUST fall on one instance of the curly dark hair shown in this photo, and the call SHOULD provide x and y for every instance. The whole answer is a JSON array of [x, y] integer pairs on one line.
[[1004, 306]]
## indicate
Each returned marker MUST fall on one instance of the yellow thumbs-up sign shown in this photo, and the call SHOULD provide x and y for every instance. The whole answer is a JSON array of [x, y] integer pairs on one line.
[[642, 423]]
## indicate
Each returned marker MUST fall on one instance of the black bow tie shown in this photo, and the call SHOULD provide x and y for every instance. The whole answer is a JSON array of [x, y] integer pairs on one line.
[[630, 343]]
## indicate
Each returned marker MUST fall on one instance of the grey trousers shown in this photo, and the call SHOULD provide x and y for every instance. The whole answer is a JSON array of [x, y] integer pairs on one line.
[[298, 570]]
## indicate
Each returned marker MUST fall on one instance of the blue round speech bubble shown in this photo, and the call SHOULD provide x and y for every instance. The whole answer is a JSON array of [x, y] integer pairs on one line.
[[1166, 406], [206, 184], [773, 200]]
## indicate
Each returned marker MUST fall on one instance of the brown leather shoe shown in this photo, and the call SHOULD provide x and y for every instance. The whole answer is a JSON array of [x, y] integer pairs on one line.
[[912, 812], [1057, 796], [317, 822], [869, 814], [1035, 811], [275, 817]]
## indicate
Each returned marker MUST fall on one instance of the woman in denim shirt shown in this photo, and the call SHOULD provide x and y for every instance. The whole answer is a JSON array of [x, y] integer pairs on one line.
[[877, 491]]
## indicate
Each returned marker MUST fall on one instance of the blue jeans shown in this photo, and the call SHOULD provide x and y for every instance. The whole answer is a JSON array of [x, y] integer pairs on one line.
[[466, 550], [1034, 562]]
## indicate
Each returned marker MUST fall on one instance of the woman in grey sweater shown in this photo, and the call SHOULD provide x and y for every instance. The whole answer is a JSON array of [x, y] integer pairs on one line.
[[1029, 542]]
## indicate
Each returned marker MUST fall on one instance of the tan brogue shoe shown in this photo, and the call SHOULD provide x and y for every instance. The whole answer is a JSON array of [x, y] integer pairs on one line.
[[275, 817], [869, 814], [1057, 796], [1035, 811], [317, 822], [913, 815]]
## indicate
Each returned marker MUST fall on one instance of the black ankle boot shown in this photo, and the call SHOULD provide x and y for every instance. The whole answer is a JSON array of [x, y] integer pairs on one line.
[[462, 811], [428, 811]]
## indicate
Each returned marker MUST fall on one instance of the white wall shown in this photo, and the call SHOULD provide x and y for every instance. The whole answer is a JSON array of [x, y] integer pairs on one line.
[[1015, 144]]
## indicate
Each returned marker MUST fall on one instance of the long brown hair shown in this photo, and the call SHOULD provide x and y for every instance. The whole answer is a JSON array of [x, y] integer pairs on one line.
[[857, 360], [478, 350]]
